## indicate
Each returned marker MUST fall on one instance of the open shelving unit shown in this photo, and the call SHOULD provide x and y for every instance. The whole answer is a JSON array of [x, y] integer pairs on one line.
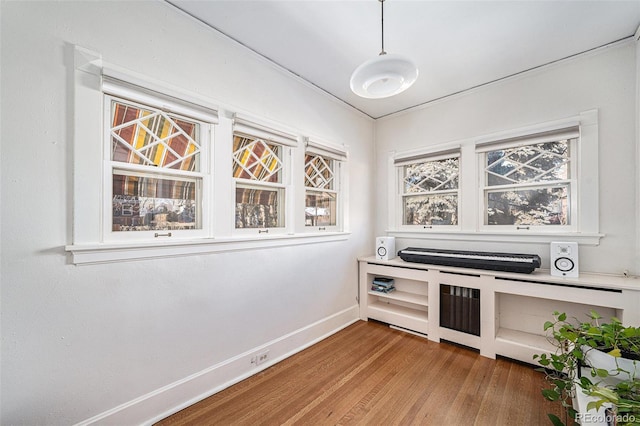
[[522, 308], [513, 307], [406, 307]]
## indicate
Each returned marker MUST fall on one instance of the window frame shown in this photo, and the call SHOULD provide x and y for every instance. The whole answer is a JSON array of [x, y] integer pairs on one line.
[[202, 177], [584, 229], [251, 128], [401, 162], [338, 155], [573, 137], [87, 244]]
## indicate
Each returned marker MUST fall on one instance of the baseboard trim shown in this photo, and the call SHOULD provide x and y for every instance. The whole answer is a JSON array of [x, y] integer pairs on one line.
[[152, 407]]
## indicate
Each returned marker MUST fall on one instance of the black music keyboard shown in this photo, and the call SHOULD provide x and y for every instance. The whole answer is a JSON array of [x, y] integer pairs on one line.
[[508, 262]]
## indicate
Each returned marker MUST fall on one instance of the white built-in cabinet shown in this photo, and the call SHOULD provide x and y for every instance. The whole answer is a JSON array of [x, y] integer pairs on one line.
[[512, 307], [407, 307]]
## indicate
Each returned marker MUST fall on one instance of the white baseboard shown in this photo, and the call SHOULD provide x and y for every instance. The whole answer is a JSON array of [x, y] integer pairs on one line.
[[152, 407]]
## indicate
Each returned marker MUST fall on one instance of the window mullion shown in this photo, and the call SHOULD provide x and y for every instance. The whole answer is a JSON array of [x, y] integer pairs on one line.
[[439, 192], [257, 183], [330, 191], [137, 121], [528, 185], [154, 170], [133, 149]]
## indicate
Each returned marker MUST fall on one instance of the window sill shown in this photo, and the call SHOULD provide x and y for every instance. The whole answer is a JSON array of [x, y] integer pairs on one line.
[[86, 254], [588, 239]]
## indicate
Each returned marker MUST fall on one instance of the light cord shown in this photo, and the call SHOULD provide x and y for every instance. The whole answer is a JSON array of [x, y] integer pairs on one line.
[[382, 52]]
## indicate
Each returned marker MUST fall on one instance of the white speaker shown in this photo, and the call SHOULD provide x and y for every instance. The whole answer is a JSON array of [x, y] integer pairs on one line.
[[564, 259], [385, 248]]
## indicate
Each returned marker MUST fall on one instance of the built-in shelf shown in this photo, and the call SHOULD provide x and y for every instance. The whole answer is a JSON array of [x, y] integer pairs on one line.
[[403, 296], [407, 306], [522, 338], [399, 310], [513, 307], [399, 315], [521, 345]]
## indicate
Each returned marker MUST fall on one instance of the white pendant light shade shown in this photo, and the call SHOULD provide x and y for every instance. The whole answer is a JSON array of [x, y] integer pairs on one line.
[[383, 76]]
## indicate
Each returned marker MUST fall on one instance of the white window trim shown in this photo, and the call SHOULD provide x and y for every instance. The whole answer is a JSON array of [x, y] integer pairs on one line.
[[420, 157], [572, 183], [283, 210], [587, 208], [85, 254], [122, 87], [328, 149], [257, 128], [253, 128], [339, 154], [206, 141], [87, 246]]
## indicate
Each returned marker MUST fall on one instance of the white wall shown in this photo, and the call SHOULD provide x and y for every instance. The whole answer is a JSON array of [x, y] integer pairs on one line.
[[78, 341], [604, 80]]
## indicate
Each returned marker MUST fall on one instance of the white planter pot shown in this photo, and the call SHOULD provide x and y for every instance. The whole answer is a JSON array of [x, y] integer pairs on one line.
[[619, 368]]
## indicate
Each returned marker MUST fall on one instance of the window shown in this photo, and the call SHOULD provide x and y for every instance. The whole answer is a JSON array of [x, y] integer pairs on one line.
[[257, 168], [324, 179], [155, 182], [323, 166], [260, 174], [529, 182], [536, 184], [430, 190], [156, 151], [320, 197], [149, 181]]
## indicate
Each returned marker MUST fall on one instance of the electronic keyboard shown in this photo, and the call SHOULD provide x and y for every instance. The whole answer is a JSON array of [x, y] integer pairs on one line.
[[508, 262]]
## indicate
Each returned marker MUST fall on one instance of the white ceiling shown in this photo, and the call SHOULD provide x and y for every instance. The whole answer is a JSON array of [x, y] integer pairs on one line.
[[457, 45]]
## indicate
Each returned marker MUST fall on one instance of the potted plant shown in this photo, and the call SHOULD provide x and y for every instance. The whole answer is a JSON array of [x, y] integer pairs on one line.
[[601, 360]]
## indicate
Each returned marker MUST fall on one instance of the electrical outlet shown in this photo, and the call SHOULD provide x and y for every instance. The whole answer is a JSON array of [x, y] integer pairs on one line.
[[260, 357]]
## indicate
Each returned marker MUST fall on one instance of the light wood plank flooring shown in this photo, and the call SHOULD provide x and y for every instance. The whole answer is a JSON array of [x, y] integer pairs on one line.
[[369, 374]]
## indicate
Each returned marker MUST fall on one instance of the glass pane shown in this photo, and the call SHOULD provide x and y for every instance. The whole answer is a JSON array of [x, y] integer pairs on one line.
[[320, 209], [431, 176], [430, 210], [256, 159], [540, 206], [318, 172], [532, 163], [150, 203], [153, 138], [259, 208]]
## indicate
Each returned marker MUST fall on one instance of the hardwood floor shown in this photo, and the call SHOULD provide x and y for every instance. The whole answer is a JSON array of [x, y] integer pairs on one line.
[[369, 374]]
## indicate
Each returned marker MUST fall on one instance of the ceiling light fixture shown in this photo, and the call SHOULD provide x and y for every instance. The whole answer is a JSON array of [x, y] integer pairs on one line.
[[385, 75]]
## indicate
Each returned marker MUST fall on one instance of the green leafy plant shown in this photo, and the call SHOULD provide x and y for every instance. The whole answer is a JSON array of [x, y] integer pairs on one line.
[[575, 341]]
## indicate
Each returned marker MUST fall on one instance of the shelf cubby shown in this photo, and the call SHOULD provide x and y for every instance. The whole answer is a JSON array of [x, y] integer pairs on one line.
[[407, 306]]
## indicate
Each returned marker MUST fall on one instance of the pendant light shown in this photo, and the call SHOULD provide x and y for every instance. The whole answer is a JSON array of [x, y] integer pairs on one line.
[[385, 75]]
